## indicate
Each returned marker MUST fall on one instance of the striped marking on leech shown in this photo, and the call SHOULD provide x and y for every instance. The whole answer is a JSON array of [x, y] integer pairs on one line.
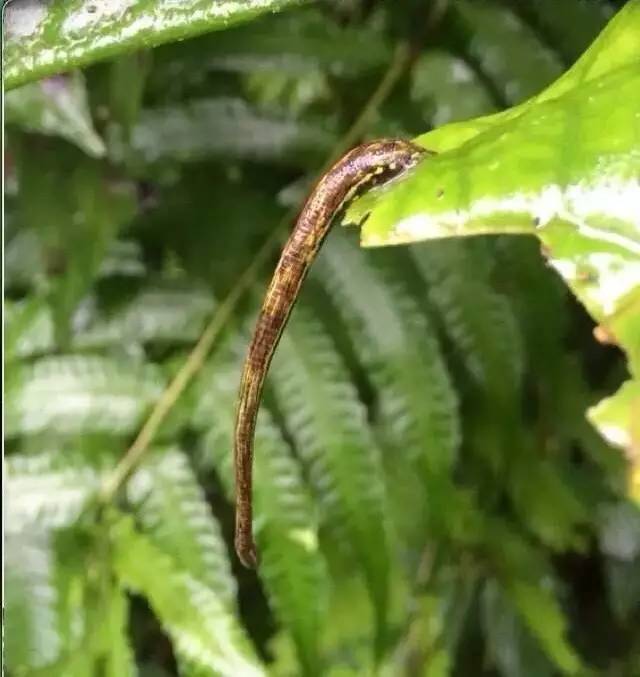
[[366, 165]]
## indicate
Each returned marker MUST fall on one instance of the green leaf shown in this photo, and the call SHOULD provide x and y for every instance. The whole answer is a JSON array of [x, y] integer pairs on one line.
[[161, 313], [23, 261], [505, 50], [76, 209], [79, 394], [298, 43], [29, 328], [46, 490], [56, 106], [32, 636], [417, 404], [477, 319], [448, 87], [205, 633], [223, 128], [117, 658], [509, 644], [285, 525], [545, 619], [173, 512], [328, 424], [569, 26], [544, 500], [549, 167], [43, 38]]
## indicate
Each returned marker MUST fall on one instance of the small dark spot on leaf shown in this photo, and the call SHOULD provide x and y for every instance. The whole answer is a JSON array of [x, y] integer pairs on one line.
[[536, 221], [364, 219], [440, 193]]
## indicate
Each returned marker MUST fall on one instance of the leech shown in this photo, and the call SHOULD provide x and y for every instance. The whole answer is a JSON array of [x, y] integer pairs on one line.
[[367, 165]]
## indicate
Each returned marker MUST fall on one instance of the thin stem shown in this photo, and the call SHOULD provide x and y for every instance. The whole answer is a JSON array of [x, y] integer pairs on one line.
[[196, 358]]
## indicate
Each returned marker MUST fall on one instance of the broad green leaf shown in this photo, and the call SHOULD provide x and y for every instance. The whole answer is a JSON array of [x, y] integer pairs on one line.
[[79, 394], [552, 167], [55, 106], [44, 38]]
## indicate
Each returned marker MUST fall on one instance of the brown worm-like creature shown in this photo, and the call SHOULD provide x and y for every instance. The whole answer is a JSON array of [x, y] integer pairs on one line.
[[367, 165]]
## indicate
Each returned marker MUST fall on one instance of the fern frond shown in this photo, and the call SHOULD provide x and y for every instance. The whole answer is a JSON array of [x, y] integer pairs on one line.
[[527, 579], [506, 50], [29, 328], [417, 404], [544, 500], [79, 394], [116, 654], [46, 490], [539, 300], [292, 567], [223, 126], [157, 314], [510, 646], [449, 88], [329, 426], [204, 631], [32, 635], [477, 319], [175, 515]]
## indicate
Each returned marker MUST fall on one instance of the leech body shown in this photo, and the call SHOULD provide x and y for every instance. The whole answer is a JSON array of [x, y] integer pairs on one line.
[[366, 165]]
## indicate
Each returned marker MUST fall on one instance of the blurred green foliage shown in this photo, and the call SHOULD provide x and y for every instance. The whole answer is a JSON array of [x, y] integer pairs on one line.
[[430, 497]]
